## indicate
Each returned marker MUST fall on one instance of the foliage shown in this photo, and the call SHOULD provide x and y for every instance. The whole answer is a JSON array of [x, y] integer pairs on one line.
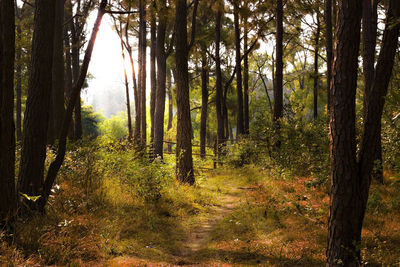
[[114, 128]]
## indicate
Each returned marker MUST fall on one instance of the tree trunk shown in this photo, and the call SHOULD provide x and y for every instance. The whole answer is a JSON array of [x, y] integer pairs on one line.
[[369, 33], [219, 91], [136, 136], [56, 164], [170, 106], [142, 71], [239, 91], [18, 74], [204, 103], [278, 88], [68, 65], [161, 88], [184, 164], [246, 82], [75, 74], [33, 154], [316, 74], [153, 74], [57, 92], [8, 200], [329, 49], [128, 101]]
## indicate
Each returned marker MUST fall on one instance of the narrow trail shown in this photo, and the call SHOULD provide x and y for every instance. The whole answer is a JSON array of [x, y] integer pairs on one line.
[[200, 234]]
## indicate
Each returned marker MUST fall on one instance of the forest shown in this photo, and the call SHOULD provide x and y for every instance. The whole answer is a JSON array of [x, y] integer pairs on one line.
[[246, 132]]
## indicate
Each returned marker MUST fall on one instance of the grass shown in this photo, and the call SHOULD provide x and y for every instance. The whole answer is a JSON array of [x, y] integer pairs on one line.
[[112, 208]]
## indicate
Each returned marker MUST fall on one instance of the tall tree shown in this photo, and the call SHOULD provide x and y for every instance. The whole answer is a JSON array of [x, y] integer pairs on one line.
[[246, 114], [218, 73], [350, 179], [316, 57], [170, 105], [57, 94], [184, 164], [204, 102], [7, 137], [153, 73], [329, 48], [18, 71], [142, 70], [369, 34], [161, 80], [33, 154], [239, 90], [278, 85]]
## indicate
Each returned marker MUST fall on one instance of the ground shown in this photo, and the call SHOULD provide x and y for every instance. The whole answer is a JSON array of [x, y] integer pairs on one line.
[[243, 216]]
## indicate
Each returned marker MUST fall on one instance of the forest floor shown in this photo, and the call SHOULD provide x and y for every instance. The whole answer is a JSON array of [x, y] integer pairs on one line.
[[231, 217]]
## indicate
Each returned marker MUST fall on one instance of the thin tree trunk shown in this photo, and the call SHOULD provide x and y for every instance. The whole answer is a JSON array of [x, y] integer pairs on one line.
[[246, 82], [75, 74], [56, 164], [161, 86], [278, 92], [153, 74], [33, 154], [329, 49], [68, 66], [316, 73], [219, 91], [204, 103], [18, 74], [8, 200], [184, 164], [239, 91], [170, 106], [128, 103], [142, 70]]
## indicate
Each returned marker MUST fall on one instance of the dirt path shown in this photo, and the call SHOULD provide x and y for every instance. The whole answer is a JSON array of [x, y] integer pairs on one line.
[[200, 235]]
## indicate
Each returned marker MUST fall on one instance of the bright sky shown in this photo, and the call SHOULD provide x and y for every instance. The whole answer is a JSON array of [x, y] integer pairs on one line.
[[106, 91]]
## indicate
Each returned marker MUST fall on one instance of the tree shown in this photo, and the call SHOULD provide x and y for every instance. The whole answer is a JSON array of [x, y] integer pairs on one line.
[[33, 154], [57, 94], [161, 81], [316, 57], [153, 73], [7, 138], [369, 33], [351, 179], [142, 71], [184, 160], [278, 86], [218, 73], [329, 48], [239, 91]]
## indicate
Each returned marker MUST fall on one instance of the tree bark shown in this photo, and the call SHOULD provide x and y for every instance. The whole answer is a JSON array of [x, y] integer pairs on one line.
[[18, 74], [57, 92], [161, 86], [316, 73], [239, 91], [246, 82], [153, 73], [142, 71], [329, 49], [369, 33], [33, 154], [204, 103], [218, 82], [170, 106], [75, 42], [278, 88], [184, 164], [68, 64], [8, 200], [128, 101]]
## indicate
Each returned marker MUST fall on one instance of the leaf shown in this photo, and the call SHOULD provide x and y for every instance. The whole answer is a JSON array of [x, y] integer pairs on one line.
[[30, 198]]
